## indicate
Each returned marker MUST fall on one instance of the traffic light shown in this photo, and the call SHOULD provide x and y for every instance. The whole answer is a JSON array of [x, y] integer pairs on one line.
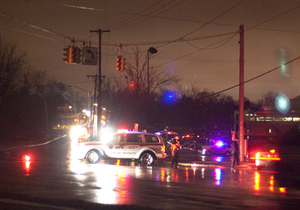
[[75, 55], [119, 63], [122, 64], [68, 55], [78, 56]]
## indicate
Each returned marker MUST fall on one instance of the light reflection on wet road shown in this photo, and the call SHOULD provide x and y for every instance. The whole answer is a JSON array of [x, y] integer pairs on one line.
[[118, 184], [53, 174]]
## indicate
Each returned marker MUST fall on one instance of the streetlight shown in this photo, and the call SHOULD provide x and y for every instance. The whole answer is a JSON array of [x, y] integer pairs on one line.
[[151, 50], [92, 105]]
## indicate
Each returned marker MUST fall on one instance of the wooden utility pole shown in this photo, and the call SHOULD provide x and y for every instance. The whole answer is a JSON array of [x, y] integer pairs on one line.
[[99, 31], [241, 96], [94, 98]]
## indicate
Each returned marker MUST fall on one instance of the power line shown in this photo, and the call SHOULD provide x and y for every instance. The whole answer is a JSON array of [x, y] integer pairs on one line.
[[139, 21], [283, 13], [135, 15], [223, 13], [206, 48], [253, 78]]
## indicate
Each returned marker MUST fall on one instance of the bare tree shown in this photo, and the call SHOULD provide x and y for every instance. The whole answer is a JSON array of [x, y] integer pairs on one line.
[[268, 99], [128, 97], [11, 64], [136, 73]]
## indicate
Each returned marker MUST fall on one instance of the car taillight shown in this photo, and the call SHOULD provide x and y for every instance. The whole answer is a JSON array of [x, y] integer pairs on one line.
[[263, 156], [272, 151]]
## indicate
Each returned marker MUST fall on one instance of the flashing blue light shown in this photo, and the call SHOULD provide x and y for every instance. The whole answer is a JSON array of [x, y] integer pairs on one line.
[[169, 97], [219, 159], [219, 143]]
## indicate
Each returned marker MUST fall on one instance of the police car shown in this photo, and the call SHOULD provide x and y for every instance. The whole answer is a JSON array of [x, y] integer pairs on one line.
[[219, 148], [142, 146]]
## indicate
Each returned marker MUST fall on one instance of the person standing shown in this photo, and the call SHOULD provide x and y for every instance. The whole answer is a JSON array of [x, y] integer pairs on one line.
[[235, 154], [175, 148]]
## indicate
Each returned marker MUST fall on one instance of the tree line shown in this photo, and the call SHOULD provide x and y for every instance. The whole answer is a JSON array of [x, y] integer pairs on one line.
[[29, 99]]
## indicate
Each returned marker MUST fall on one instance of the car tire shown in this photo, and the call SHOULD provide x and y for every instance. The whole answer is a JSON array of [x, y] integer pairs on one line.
[[93, 156], [227, 154], [208, 153], [147, 159]]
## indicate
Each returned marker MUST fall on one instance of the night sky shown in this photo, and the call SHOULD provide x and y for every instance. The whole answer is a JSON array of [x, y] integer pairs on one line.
[[196, 39]]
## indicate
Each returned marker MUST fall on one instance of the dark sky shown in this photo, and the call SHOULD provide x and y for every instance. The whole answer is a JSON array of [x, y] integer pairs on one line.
[[205, 53]]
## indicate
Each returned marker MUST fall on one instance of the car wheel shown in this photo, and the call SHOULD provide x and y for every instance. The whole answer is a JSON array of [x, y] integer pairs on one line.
[[227, 154], [93, 156], [147, 159], [208, 153]]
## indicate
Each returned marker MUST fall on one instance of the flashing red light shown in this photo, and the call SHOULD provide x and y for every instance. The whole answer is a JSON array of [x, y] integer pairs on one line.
[[26, 157], [259, 156], [122, 130]]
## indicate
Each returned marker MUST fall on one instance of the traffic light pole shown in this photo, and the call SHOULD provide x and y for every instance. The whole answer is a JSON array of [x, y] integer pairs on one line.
[[99, 31]]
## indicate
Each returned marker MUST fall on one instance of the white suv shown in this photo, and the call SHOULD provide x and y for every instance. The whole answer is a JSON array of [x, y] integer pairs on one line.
[[142, 146]]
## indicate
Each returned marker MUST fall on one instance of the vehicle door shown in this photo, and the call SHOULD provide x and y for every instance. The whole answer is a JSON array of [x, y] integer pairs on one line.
[[133, 145], [153, 143], [116, 148]]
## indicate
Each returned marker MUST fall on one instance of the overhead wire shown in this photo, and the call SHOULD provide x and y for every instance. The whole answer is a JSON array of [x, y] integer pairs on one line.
[[223, 13], [142, 20], [283, 13], [196, 51], [135, 15], [253, 78]]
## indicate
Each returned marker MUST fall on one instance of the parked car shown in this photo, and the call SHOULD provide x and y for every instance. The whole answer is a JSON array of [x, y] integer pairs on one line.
[[264, 156], [145, 147], [197, 141], [219, 148]]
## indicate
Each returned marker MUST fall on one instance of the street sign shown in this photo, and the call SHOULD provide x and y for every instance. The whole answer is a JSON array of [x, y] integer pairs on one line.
[[89, 56]]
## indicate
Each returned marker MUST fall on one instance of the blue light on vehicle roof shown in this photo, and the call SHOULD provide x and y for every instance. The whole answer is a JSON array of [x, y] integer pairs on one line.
[[219, 143]]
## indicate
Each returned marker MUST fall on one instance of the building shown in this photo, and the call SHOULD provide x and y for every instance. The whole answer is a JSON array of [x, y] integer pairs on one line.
[[268, 125]]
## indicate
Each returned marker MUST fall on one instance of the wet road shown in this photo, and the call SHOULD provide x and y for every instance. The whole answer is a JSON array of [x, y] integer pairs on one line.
[[52, 176]]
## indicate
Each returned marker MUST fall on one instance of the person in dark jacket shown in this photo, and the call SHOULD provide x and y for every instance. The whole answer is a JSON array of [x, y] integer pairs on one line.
[[175, 148], [235, 154]]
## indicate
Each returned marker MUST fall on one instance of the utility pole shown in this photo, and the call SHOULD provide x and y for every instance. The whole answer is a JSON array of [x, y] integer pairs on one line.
[[241, 96], [99, 31], [94, 99]]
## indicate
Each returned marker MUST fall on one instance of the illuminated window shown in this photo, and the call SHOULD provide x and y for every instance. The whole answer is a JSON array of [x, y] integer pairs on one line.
[[268, 118], [277, 119], [251, 118], [260, 119], [287, 119], [270, 130], [296, 119]]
